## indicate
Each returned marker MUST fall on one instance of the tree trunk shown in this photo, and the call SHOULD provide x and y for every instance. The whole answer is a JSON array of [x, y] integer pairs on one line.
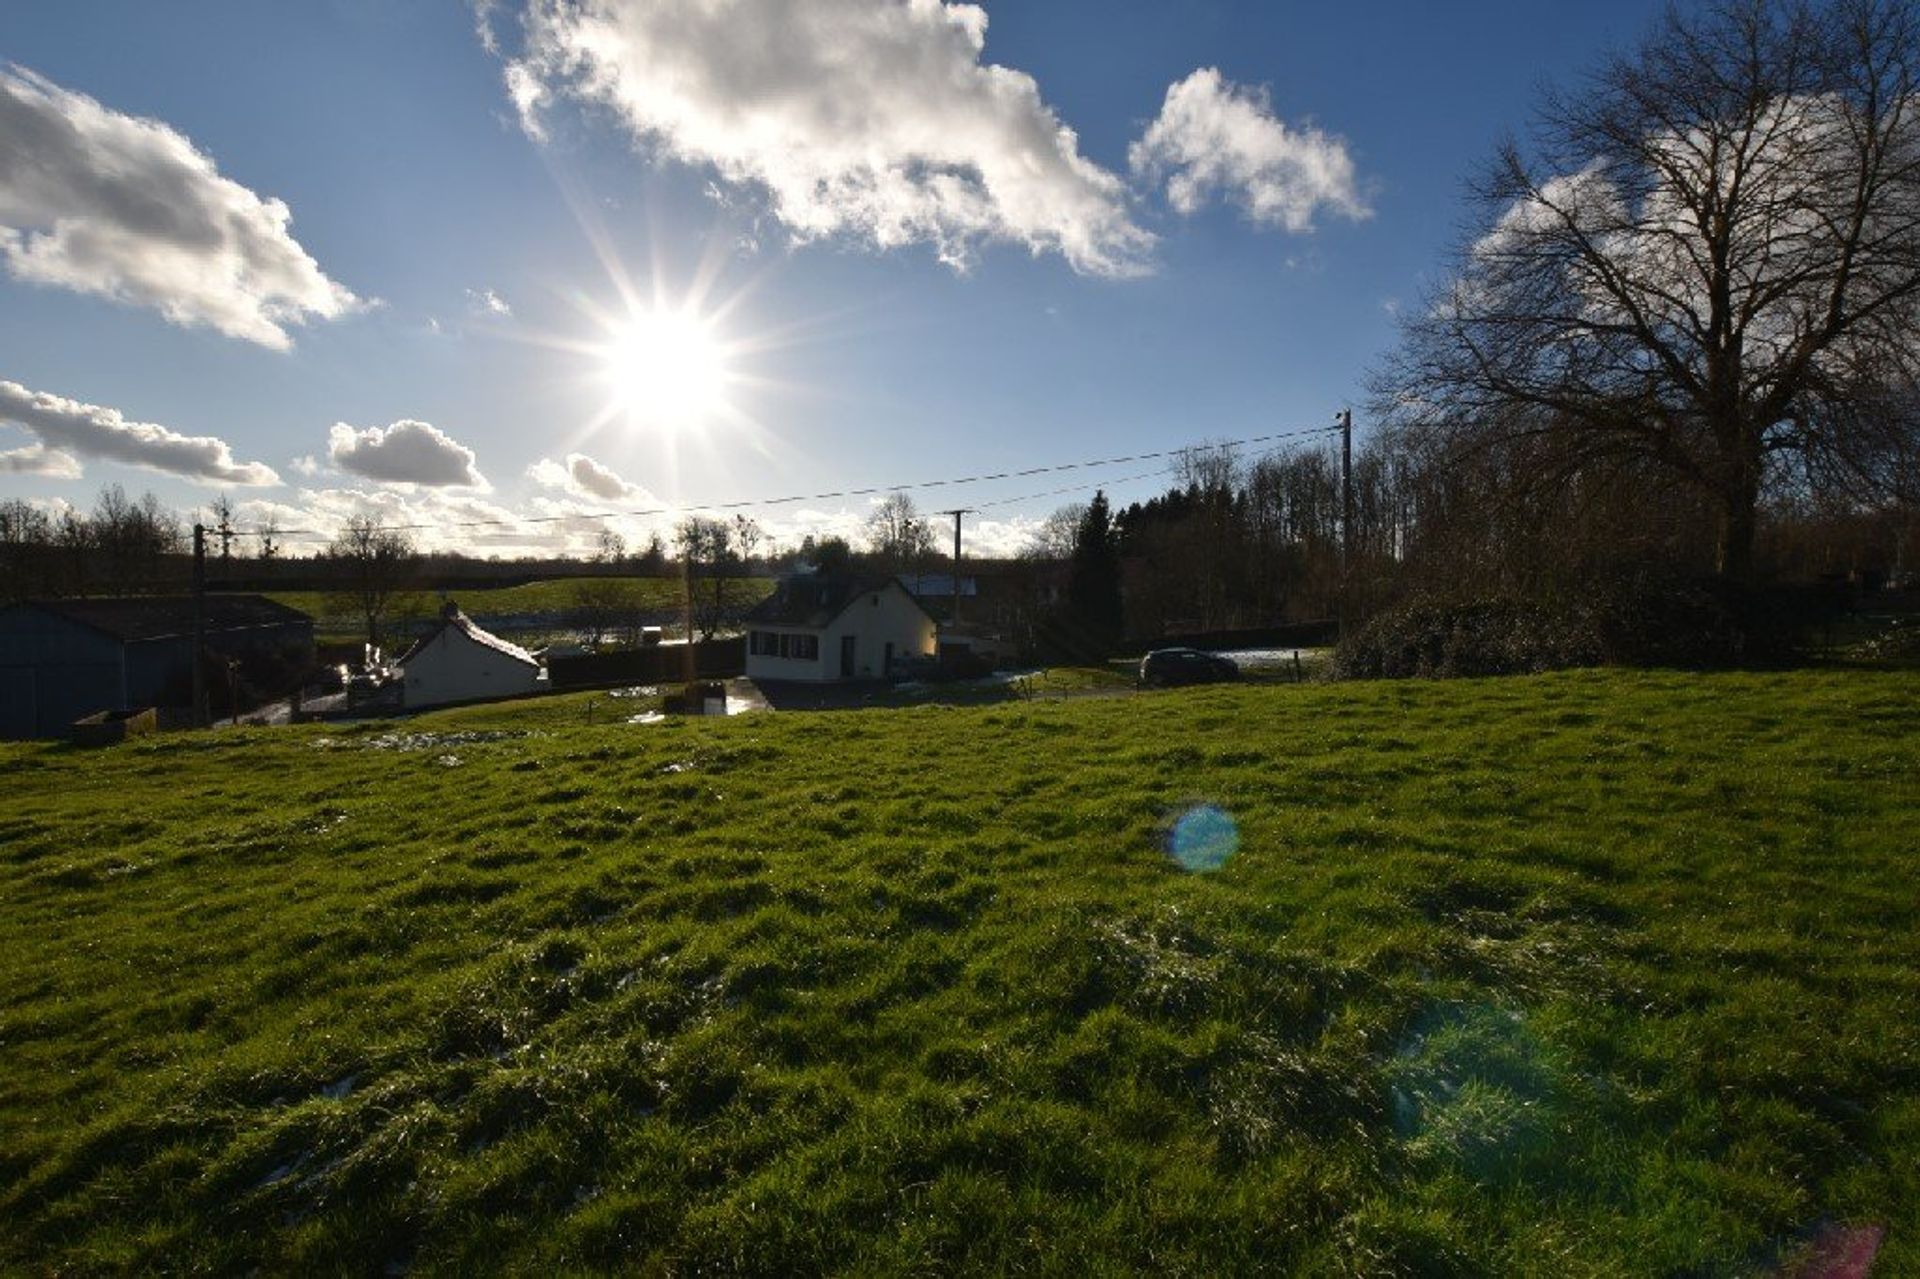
[[1739, 502]]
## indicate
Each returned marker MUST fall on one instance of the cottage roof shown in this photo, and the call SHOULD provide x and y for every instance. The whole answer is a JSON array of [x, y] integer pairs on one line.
[[813, 600], [131, 619], [451, 618], [938, 585]]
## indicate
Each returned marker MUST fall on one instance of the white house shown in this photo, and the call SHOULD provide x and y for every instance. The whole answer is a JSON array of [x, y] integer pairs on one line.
[[818, 627], [456, 661]]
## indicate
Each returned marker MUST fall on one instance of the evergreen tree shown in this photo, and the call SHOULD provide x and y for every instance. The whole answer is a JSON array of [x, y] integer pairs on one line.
[[1093, 585]]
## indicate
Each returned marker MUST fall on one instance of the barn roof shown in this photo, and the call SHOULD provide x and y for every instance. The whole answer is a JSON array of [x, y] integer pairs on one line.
[[451, 618], [131, 619], [813, 600]]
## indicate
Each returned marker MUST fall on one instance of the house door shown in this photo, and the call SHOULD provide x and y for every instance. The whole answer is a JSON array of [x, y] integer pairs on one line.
[[846, 656]]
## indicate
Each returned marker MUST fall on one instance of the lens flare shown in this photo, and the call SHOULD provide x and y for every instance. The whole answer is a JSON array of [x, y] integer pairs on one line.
[[1203, 838], [1472, 1085]]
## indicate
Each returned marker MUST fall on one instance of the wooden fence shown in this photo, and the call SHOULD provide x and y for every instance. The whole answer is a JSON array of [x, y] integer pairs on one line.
[[654, 664]]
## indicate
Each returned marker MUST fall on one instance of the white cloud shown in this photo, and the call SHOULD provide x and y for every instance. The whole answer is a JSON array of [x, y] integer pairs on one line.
[[876, 121], [90, 430], [483, 11], [488, 303], [1587, 202], [407, 452], [573, 527], [439, 520], [584, 477], [1001, 539], [435, 520], [1213, 137], [38, 459], [111, 204]]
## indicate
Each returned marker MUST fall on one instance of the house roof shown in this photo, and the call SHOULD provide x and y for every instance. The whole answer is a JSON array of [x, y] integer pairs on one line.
[[813, 600], [131, 619], [934, 585], [451, 618]]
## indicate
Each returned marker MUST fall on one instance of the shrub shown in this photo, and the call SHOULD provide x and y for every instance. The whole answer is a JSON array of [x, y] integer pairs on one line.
[[1898, 643], [1479, 637], [1631, 622]]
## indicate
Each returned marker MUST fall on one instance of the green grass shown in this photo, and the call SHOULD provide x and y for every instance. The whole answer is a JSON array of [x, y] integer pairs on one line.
[[1594, 973], [550, 599]]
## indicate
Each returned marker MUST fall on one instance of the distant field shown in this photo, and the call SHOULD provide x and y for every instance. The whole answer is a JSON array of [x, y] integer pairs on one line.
[[337, 621], [1595, 973]]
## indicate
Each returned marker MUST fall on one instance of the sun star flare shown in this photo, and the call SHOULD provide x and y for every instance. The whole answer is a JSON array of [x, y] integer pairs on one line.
[[665, 368]]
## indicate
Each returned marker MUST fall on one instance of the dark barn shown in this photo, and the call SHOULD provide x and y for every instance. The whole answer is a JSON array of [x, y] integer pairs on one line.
[[64, 659]]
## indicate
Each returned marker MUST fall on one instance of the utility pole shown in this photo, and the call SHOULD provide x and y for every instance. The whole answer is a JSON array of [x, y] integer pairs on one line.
[[686, 581], [965, 510], [1346, 510], [200, 719], [1346, 490]]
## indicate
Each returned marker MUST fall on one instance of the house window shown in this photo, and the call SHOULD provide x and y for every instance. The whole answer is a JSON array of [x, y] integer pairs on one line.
[[799, 648]]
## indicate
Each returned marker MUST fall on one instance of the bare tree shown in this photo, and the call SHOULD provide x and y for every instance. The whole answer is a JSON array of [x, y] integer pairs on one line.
[[28, 561], [710, 557], [898, 537], [1708, 269], [747, 539], [377, 561], [600, 604], [1053, 540], [270, 538], [223, 527], [132, 539]]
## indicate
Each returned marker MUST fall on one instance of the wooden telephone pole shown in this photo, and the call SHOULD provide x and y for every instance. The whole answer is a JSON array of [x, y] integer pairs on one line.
[[964, 510], [1345, 417], [200, 716]]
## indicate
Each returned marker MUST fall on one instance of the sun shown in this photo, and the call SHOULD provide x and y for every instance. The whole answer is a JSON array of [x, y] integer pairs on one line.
[[666, 368]]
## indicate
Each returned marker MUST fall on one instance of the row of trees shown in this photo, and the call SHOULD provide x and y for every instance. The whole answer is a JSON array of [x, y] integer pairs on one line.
[[122, 545], [1234, 544], [1250, 544]]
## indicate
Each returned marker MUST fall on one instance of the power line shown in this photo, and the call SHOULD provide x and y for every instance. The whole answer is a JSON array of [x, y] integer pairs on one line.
[[1077, 488], [867, 491]]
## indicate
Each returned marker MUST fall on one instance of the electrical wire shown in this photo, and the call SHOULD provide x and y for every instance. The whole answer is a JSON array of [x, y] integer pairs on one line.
[[868, 491]]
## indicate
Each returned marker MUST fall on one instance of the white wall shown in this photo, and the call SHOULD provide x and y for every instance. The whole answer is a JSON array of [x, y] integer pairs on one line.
[[454, 668]]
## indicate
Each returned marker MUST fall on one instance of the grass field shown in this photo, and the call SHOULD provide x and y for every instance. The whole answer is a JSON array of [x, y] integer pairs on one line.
[[1594, 973], [336, 621]]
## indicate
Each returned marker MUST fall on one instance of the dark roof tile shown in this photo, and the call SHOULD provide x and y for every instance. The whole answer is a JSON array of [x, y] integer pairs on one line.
[[813, 600], [148, 617]]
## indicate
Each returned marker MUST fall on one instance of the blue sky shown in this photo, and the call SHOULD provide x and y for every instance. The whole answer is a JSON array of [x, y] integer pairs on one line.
[[1094, 314]]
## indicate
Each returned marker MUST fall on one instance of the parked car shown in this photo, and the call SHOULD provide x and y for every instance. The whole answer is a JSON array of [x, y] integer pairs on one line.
[[1164, 667]]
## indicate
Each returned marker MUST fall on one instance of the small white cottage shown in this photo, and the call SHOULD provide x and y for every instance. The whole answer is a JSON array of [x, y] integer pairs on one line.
[[818, 627], [457, 661]]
